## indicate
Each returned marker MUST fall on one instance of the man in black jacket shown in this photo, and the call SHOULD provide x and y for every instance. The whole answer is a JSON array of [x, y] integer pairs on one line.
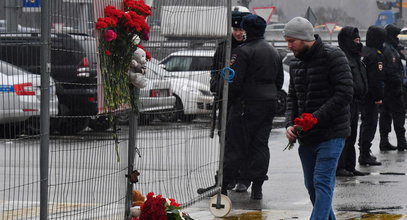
[[392, 108], [349, 42], [320, 84], [374, 61], [253, 102]]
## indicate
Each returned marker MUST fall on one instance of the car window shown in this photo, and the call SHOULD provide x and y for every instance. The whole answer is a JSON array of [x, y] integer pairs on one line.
[[152, 74], [201, 64], [178, 64]]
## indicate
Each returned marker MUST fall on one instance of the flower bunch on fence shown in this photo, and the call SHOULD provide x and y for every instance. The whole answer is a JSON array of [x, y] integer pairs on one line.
[[120, 32]]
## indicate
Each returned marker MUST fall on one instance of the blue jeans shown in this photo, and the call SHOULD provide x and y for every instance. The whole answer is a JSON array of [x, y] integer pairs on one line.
[[319, 166]]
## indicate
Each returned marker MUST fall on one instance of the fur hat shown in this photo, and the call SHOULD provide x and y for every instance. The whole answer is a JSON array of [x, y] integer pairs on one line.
[[299, 28], [238, 12], [254, 25]]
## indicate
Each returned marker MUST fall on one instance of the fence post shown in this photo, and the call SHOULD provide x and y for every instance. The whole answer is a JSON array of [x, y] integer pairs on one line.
[[133, 121], [44, 114], [224, 99]]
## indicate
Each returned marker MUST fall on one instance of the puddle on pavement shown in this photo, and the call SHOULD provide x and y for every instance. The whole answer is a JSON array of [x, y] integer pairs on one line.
[[379, 217], [255, 215]]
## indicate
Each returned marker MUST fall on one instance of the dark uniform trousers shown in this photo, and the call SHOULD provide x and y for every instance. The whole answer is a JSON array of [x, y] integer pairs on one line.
[[392, 108], [348, 157], [369, 117], [247, 134]]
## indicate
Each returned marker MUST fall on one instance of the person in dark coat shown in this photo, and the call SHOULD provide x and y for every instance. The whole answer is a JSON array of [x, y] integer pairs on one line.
[[216, 87], [253, 103], [320, 84], [393, 107], [374, 60], [349, 42]]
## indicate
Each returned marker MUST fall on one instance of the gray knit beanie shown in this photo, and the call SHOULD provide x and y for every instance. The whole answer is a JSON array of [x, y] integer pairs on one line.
[[299, 28]]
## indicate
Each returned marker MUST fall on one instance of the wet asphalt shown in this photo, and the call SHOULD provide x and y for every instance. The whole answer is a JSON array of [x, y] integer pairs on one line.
[[380, 195]]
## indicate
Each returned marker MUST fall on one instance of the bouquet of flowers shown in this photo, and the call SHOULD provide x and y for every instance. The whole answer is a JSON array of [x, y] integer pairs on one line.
[[120, 32], [302, 123], [158, 208]]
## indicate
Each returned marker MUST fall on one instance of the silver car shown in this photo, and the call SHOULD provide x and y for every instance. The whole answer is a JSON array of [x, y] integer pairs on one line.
[[20, 96], [191, 64], [155, 99]]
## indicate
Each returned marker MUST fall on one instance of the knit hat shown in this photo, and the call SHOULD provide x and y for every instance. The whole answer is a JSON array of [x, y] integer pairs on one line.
[[238, 12], [299, 28], [254, 25]]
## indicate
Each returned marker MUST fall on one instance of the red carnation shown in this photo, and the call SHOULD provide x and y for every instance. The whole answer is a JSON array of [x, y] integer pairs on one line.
[[110, 35], [100, 24], [303, 123], [107, 52]]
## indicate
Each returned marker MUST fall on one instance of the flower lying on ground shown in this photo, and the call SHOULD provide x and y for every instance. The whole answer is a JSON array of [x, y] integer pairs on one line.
[[302, 123], [158, 208]]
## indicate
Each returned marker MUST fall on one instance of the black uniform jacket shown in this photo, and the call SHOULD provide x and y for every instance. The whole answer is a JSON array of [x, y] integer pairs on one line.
[[374, 61], [393, 84], [258, 71]]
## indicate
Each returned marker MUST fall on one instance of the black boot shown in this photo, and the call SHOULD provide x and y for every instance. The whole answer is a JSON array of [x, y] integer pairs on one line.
[[385, 144], [257, 193], [401, 144], [366, 159]]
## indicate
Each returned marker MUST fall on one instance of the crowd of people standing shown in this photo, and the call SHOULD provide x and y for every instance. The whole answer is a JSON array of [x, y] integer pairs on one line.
[[334, 84]]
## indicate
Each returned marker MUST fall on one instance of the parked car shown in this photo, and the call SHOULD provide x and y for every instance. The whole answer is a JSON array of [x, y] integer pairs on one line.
[[192, 98], [156, 98], [20, 96], [282, 94], [275, 27], [190, 64], [75, 81], [3, 28]]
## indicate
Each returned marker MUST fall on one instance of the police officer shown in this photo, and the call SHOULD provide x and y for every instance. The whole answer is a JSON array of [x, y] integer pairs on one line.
[[349, 42], [253, 102], [392, 107], [216, 86], [374, 61]]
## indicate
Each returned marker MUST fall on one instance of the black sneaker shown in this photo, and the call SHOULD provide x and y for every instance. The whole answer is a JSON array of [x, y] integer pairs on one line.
[[343, 172], [231, 185], [402, 146], [240, 187], [386, 146]]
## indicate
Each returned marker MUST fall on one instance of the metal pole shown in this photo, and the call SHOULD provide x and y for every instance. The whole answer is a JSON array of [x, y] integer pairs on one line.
[[11, 15], [133, 125], [401, 14], [44, 115], [330, 37], [225, 99]]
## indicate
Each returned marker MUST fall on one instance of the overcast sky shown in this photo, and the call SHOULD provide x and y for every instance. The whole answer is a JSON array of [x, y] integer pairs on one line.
[[365, 11]]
